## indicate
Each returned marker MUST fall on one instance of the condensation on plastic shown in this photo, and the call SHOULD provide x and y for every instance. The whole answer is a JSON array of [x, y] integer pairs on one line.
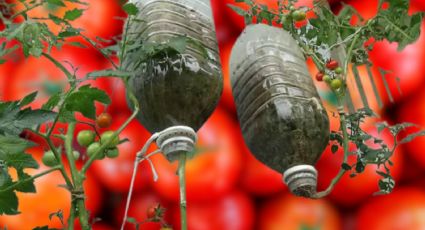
[[282, 119], [179, 89]]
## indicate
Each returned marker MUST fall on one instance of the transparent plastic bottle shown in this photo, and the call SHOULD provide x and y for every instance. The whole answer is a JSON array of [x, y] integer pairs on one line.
[[177, 89], [280, 113]]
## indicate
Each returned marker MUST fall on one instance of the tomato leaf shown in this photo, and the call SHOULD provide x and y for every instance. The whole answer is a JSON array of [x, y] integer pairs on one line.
[[13, 120], [88, 95], [27, 186], [72, 15], [130, 9], [8, 203], [56, 2]]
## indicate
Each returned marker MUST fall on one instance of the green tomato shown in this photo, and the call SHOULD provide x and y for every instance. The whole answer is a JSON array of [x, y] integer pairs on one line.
[[336, 84], [106, 136], [112, 153], [327, 78], [49, 159], [93, 148], [85, 137], [298, 15], [339, 70], [76, 155]]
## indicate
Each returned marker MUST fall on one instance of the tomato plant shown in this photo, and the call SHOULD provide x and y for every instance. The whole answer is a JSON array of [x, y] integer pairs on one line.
[[115, 174], [106, 23], [293, 213], [402, 64], [215, 169], [403, 209], [36, 208], [353, 191], [233, 211], [138, 210]]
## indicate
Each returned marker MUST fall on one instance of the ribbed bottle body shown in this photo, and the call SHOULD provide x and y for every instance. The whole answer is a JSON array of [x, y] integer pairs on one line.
[[175, 89], [280, 113]]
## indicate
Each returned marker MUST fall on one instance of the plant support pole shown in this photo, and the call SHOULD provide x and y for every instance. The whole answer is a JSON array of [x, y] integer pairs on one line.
[[182, 182]]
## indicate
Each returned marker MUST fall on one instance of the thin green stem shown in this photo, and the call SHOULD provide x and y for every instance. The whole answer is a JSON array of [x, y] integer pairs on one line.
[[71, 77], [26, 10], [26, 180], [124, 41], [93, 44], [345, 145], [71, 216], [78, 192], [59, 159], [182, 182], [68, 150], [349, 54]]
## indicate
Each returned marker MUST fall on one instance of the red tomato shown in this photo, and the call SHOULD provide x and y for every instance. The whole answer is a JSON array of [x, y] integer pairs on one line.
[[115, 174], [138, 210], [293, 213], [234, 211], [99, 19], [35, 208], [414, 111], [227, 98], [258, 179], [33, 74], [402, 209], [352, 191], [211, 173]]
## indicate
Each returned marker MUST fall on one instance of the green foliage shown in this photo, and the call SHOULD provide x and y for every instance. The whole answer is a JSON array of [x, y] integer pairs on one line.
[[83, 101]]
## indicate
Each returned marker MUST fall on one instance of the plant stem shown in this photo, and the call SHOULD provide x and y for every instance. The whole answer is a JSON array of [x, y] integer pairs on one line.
[[59, 159], [71, 77], [345, 144], [71, 216], [12, 187], [26, 10], [182, 181], [77, 192]]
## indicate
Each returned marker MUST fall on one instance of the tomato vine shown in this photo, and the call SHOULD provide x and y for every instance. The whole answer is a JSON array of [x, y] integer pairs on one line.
[[334, 42]]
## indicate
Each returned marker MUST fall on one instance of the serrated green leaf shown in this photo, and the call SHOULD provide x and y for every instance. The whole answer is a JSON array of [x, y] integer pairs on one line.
[[55, 19], [25, 187], [83, 101], [130, 9], [74, 14], [8, 203], [13, 145], [20, 161], [28, 99]]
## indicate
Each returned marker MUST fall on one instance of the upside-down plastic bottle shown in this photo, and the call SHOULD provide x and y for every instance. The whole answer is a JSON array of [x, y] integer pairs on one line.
[[174, 89], [281, 116]]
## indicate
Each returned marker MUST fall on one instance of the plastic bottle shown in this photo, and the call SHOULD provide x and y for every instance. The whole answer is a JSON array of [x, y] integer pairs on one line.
[[175, 89], [282, 119]]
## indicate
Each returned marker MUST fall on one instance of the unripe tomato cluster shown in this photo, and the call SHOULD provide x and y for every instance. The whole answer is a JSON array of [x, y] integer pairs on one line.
[[332, 75], [87, 139]]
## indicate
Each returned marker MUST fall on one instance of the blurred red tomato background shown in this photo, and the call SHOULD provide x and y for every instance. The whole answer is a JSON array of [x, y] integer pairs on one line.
[[227, 187]]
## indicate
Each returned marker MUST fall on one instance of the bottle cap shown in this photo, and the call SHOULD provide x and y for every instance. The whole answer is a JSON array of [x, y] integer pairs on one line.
[[301, 180], [175, 140]]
